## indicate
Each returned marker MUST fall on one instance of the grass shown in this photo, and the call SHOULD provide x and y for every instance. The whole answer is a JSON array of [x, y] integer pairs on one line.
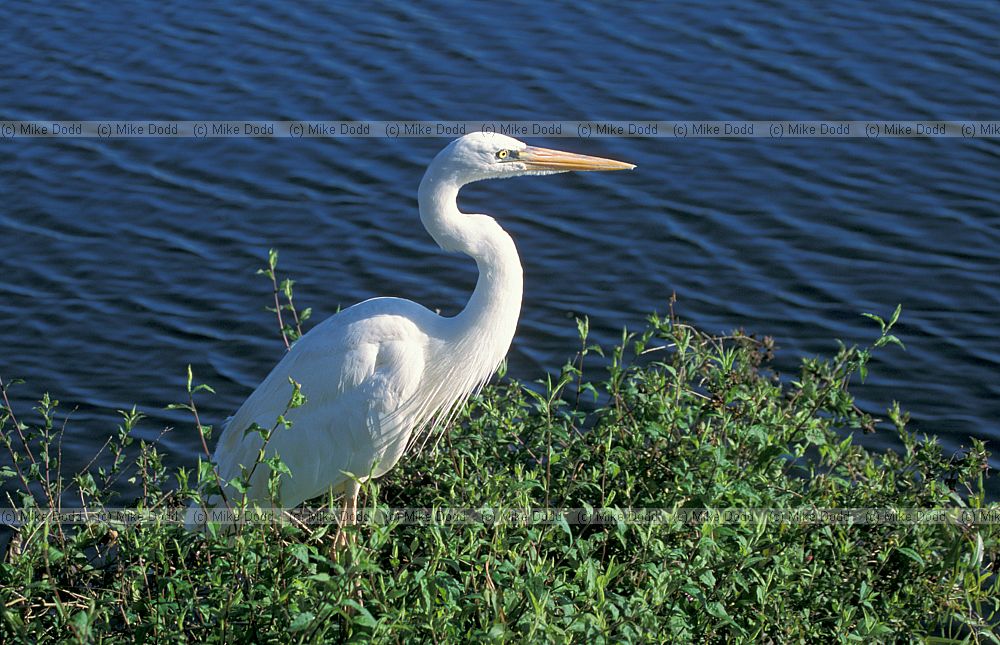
[[672, 418]]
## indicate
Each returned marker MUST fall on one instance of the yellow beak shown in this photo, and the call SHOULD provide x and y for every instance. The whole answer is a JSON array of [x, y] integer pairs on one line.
[[546, 159]]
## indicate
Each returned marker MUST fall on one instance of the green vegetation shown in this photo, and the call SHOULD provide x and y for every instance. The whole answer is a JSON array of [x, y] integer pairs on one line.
[[672, 418]]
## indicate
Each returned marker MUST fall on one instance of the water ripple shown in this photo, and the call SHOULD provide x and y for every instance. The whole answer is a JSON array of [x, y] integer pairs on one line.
[[121, 262]]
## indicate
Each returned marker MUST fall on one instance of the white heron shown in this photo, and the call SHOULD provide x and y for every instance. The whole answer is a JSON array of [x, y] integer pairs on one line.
[[379, 373]]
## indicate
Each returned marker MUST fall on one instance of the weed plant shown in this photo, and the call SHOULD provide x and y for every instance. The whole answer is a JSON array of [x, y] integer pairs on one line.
[[671, 418]]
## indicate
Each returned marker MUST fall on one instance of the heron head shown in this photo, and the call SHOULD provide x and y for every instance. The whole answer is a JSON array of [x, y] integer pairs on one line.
[[483, 155]]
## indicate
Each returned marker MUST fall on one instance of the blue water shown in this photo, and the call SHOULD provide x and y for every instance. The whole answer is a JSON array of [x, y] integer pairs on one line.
[[123, 261]]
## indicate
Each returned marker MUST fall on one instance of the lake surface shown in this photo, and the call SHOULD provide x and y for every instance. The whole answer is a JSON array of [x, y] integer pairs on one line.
[[123, 261]]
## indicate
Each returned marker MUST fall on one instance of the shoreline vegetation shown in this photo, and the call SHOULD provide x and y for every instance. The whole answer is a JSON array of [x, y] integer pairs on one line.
[[672, 418]]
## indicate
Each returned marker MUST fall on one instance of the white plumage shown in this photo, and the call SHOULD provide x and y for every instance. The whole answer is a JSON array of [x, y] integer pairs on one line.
[[378, 373]]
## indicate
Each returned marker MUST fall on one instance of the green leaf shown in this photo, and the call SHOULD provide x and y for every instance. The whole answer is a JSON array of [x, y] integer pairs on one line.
[[255, 428], [363, 617], [890, 338], [300, 552], [301, 621], [877, 319], [977, 555], [277, 465], [561, 521], [717, 609], [911, 554], [895, 315], [80, 622], [237, 484]]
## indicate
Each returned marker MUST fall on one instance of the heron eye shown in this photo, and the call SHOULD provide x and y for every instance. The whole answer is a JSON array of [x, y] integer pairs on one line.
[[502, 154]]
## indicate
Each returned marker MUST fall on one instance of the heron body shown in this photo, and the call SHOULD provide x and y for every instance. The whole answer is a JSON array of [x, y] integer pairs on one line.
[[377, 374]]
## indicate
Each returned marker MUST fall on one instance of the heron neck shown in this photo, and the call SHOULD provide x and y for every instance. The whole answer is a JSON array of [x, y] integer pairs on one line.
[[495, 304]]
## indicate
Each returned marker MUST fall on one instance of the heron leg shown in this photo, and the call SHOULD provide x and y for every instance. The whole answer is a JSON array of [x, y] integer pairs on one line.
[[348, 512], [348, 515]]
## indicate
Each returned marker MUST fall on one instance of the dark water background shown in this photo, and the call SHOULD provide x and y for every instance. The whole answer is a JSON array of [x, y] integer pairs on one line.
[[123, 261]]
